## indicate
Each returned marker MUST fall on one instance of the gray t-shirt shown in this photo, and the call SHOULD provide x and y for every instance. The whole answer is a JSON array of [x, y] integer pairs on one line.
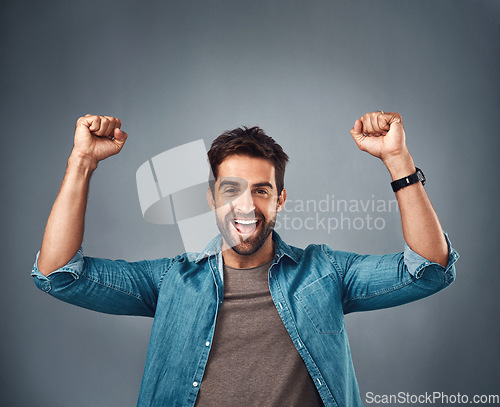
[[253, 361]]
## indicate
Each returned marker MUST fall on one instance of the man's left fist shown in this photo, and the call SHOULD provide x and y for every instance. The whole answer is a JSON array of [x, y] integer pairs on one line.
[[380, 134]]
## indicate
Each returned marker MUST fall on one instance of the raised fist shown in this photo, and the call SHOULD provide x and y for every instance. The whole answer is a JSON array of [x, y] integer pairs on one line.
[[380, 134], [98, 137]]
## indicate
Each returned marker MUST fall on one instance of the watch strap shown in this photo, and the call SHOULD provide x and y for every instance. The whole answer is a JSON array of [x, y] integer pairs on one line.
[[418, 176]]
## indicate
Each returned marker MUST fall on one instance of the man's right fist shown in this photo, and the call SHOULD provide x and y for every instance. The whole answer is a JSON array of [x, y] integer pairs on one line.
[[98, 137]]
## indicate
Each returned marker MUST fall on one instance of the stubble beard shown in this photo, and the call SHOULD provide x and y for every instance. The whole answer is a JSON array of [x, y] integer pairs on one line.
[[252, 244]]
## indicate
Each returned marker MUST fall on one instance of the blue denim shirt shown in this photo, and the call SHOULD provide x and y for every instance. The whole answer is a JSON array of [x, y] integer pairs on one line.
[[311, 288]]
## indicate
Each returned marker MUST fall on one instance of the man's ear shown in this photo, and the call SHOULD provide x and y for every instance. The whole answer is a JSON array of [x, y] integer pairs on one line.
[[210, 198], [281, 200]]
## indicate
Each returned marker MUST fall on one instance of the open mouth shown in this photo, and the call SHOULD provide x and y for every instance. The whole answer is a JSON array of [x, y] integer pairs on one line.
[[245, 226]]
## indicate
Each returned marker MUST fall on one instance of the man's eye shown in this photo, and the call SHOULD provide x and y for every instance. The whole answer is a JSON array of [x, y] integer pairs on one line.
[[261, 192], [228, 191]]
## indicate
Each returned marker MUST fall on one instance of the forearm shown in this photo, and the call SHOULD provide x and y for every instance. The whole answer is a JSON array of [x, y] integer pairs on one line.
[[64, 231], [421, 228]]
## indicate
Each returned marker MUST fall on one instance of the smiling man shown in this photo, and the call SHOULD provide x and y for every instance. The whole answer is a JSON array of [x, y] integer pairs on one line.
[[249, 168], [250, 321]]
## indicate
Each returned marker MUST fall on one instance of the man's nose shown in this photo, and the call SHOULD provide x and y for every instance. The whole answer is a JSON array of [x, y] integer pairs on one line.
[[244, 203]]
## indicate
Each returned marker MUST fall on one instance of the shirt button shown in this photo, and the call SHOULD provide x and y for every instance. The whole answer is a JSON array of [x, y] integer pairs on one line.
[[195, 384], [207, 343]]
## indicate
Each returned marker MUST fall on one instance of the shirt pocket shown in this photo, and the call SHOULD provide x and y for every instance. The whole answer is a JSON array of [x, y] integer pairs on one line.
[[321, 302]]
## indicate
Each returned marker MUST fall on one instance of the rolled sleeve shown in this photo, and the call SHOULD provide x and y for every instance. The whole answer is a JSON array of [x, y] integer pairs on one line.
[[74, 268], [417, 264], [104, 285], [381, 281]]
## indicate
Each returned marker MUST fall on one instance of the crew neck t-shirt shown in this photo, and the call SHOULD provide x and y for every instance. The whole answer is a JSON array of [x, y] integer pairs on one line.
[[253, 361]]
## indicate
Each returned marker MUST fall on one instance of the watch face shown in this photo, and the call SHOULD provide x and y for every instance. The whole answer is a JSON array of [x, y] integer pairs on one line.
[[421, 176]]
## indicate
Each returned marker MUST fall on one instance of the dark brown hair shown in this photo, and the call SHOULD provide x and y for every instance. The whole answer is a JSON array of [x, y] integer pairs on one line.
[[252, 142]]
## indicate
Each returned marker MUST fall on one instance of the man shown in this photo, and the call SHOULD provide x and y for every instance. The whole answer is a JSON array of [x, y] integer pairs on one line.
[[250, 320]]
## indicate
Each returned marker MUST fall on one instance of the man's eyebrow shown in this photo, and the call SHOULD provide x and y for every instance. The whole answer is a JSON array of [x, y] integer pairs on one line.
[[262, 184], [228, 182], [238, 184]]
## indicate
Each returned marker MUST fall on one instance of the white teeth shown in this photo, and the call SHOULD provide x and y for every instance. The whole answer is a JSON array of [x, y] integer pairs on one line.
[[245, 222]]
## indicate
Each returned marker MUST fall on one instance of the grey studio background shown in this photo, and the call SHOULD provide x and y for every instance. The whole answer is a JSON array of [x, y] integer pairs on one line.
[[176, 72]]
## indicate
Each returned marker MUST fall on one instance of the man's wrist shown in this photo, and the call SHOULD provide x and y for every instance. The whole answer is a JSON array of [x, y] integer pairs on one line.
[[81, 163], [400, 166]]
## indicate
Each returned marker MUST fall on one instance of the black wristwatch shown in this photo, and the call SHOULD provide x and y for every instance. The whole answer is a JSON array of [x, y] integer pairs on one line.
[[409, 180]]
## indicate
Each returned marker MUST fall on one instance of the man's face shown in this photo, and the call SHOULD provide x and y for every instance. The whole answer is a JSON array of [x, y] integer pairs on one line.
[[246, 202]]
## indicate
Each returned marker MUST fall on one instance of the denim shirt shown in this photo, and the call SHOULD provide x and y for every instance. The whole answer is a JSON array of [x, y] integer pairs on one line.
[[312, 289]]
